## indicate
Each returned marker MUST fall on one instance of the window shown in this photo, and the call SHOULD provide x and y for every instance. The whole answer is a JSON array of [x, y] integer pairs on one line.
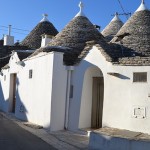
[[4, 77], [30, 74], [140, 77], [71, 91]]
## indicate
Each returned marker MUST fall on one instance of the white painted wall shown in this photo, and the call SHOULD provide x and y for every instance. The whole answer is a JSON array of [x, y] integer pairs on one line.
[[5, 102], [93, 59], [124, 96], [43, 96], [120, 94], [86, 98], [59, 84], [4, 91], [48, 83], [41, 99], [34, 94]]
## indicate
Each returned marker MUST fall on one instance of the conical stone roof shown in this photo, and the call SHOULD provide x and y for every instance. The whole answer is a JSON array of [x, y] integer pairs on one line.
[[76, 34], [135, 34], [72, 39], [112, 28], [76, 39], [33, 40]]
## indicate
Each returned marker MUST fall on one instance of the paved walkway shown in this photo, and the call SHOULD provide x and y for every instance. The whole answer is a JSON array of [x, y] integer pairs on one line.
[[61, 140], [13, 137]]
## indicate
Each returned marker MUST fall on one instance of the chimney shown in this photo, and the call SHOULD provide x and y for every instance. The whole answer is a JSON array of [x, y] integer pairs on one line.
[[97, 27], [8, 39], [1, 42], [45, 39]]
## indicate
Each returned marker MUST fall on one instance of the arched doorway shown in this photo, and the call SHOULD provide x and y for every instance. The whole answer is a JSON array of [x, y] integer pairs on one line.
[[91, 107]]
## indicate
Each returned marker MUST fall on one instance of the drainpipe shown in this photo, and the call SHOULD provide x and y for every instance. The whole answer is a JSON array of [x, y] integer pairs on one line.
[[69, 73]]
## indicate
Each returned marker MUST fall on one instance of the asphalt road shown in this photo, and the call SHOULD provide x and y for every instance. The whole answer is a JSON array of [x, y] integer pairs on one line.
[[13, 137]]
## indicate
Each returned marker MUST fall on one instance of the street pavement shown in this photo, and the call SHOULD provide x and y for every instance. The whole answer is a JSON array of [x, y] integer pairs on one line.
[[13, 137]]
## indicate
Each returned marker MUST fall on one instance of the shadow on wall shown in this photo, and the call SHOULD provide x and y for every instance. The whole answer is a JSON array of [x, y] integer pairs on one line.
[[20, 109], [13, 103], [81, 103], [118, 75], [3, 103]]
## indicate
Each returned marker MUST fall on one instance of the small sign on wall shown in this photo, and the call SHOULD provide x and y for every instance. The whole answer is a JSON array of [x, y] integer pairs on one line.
[[139, 112]]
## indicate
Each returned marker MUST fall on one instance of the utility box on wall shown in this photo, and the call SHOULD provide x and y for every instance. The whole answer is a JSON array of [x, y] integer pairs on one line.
[[139, 112]]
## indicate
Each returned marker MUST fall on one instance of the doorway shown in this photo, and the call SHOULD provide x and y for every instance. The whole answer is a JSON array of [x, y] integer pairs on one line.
[[12, 94], [97, 102], [91, 107]]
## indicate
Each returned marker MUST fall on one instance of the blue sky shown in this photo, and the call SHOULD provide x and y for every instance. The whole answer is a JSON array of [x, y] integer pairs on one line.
[[26, 14]]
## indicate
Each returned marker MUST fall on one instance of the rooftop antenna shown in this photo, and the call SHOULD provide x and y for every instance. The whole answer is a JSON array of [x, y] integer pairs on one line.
[[143, 1], [124, 13], [3, 37], [44, 17], [128, 15], [9, 30]]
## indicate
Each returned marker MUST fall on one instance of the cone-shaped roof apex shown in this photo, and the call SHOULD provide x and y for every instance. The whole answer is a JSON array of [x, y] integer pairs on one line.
[[44, 18], [112, 28], [33, 39], [80, 13], [142, 6]]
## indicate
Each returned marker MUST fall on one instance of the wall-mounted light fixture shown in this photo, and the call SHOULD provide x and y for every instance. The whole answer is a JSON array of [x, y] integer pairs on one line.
[[21, 63]]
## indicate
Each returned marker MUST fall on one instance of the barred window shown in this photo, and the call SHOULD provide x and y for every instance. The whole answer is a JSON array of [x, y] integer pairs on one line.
[[140, 77]]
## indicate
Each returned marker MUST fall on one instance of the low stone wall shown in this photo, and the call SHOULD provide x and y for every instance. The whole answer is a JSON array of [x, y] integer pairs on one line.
[[102, 141]]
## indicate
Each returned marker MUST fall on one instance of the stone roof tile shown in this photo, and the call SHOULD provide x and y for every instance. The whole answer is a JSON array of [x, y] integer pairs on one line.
[[112, 28], [74, 36], [33, 39]]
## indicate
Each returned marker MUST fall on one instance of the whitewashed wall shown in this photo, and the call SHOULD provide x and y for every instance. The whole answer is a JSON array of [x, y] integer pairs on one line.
[[4, 91], [43, 96], [59, 84], [41, 99], [34, 94], [44, 93], [93, 59], [121, 95]]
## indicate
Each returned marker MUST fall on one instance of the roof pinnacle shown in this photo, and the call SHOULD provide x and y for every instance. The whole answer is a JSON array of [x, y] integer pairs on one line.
[[143, 2], [142, 6], [116, 17], [44, 18], [81, 6], [80, 13]]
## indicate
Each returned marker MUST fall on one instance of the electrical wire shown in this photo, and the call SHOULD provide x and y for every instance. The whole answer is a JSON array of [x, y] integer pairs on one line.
[[122, 9], [14, 32], [15, 28], [21, 29], [3, 30]]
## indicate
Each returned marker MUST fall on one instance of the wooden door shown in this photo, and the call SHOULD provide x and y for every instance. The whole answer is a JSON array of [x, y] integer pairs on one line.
[[97, 102], [13, 92]]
